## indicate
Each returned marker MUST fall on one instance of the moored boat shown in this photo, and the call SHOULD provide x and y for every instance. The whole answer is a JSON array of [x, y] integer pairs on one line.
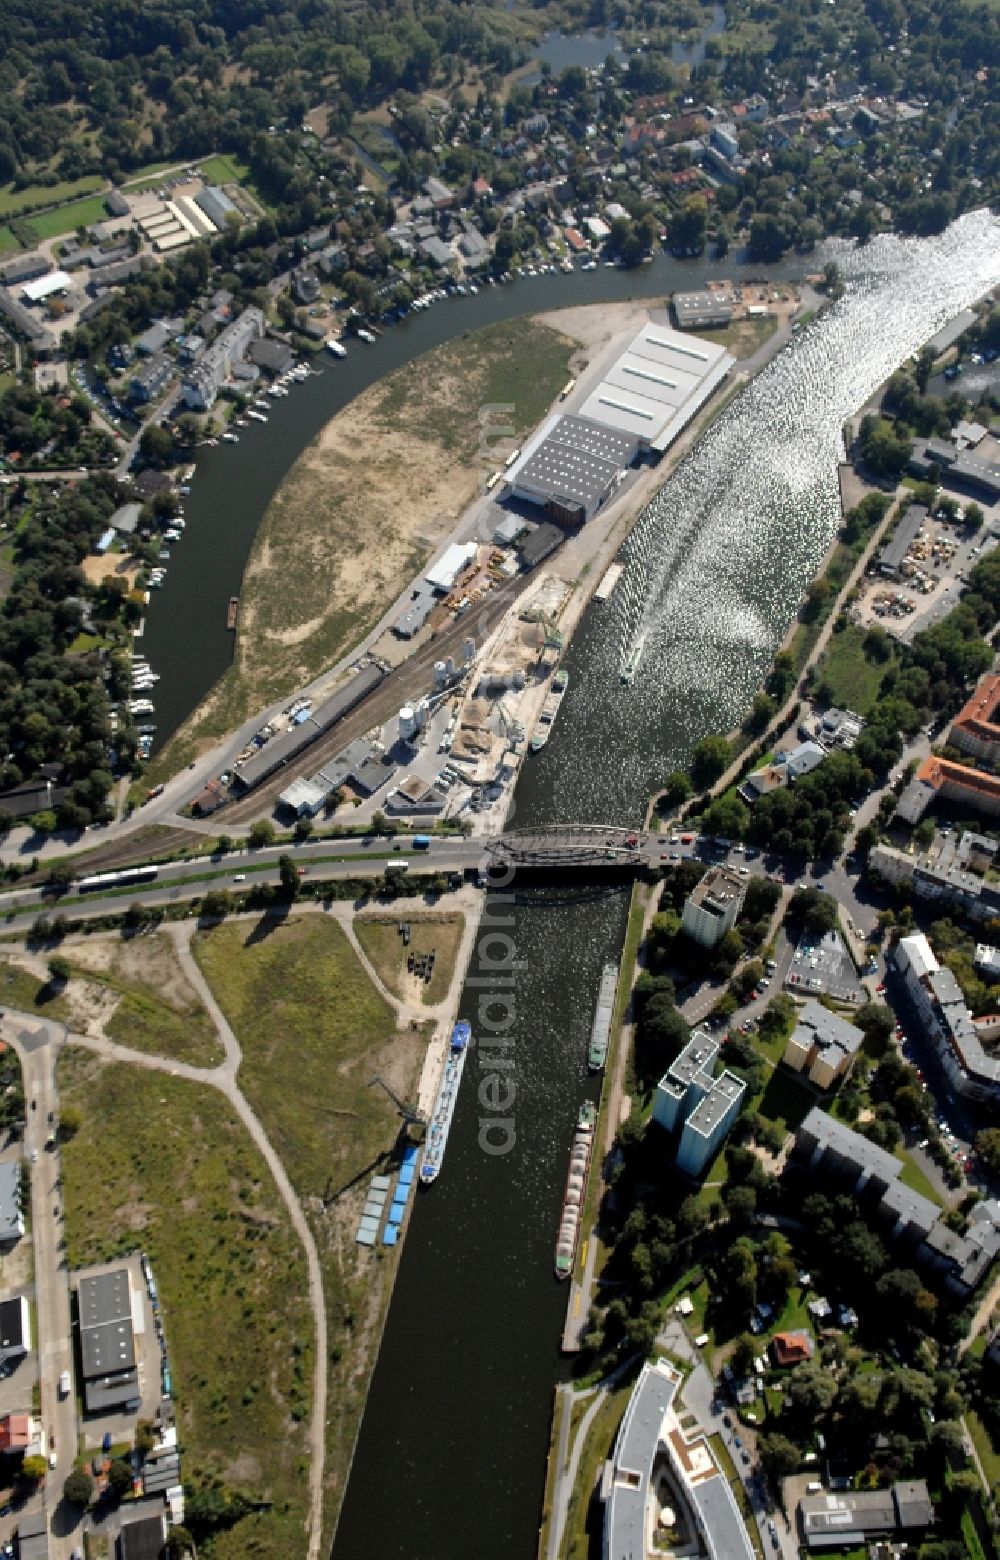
[[600, 1033], [568, 1236], [439, 1125]]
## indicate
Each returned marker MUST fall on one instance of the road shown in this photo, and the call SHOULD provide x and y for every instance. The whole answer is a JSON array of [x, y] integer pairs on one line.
[[36, 1042]]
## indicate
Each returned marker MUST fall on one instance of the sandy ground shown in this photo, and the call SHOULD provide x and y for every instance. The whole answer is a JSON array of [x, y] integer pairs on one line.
[[100, 565], [362, 509]]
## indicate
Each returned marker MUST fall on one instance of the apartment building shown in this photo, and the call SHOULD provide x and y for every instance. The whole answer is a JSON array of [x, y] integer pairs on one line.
[[712, 906], [205, 378]]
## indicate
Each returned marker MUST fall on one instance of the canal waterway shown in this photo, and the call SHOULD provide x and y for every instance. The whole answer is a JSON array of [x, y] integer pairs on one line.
[[450, 1460], [185, 639]]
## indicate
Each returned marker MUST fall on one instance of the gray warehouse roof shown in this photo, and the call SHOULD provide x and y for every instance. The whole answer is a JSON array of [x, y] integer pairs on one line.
[[104, 1302], [107, 1348], [11, 1217], [832, 1520], [105, 1297], [282, 748], [573, 458], [656, 385], [701, 308], [892, 555]]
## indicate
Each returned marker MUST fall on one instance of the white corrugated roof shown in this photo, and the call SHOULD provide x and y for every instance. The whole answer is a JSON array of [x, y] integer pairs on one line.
[[447, 569], [56, 281]]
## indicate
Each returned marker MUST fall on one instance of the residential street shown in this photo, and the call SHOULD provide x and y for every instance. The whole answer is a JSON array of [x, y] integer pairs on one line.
[[36, 1042]]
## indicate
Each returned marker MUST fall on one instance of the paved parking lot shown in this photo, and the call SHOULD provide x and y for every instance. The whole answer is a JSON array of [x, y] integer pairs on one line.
[[824, 968]]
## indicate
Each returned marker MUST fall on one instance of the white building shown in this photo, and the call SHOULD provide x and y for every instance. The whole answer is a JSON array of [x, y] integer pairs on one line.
[[712, 906], [940, 1002], [205, 378]]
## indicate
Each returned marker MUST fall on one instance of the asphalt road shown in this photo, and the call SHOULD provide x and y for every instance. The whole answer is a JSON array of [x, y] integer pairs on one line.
[[36, 1041]]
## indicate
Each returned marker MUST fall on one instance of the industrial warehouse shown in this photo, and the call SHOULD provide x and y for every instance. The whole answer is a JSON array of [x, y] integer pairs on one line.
[[574, 463]]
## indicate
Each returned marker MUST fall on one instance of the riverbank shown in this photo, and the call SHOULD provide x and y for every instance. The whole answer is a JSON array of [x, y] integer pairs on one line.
[[362, 510]]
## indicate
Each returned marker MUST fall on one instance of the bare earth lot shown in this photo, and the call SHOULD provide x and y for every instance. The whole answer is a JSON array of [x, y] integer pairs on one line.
[[364, 506]]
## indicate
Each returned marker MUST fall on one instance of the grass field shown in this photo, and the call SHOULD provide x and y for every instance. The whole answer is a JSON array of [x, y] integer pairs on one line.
[[852, 679], [381, 940], [313, 1031], [165, 1165], [81, 213], [20, 989], [743, 337], [579, 1534], [988, 1454], [156, 1010], [150, 171], [364, 507], [12, 200], [223, 170], [7, 241]]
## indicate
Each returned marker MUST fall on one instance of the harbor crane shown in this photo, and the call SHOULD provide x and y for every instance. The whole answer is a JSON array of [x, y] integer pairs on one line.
[[410, 1113], [510, 726]]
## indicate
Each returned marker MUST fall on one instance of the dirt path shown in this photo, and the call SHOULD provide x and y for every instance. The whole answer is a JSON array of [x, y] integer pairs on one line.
[[780, 720], [223, 1078]]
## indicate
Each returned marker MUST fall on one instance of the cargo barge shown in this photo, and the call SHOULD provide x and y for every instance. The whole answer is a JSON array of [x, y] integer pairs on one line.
[[568, 1237], [444, 1106], [600, 1034], [233, 611]]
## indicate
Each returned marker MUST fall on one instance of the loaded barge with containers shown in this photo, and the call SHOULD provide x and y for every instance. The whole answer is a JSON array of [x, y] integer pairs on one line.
[[600, 1034], [568, 1237], [444, 1106]]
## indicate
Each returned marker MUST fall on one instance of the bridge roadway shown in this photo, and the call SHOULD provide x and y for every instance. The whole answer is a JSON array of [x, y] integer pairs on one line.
[[366, 856]]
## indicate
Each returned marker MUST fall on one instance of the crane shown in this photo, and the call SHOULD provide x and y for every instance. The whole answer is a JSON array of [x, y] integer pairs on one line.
[[509, 725], [410, 1113]]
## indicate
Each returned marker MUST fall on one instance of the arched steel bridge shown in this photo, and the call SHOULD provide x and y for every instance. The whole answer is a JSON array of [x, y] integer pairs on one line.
[[575, 845]]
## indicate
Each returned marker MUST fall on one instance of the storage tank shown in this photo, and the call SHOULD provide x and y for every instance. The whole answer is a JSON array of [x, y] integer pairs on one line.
[[407, 722], [469, 650], [449, 665], [440, 674], [421, 714]]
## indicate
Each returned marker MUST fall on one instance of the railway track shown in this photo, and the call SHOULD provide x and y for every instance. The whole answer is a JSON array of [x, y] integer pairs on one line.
[[408, 681]]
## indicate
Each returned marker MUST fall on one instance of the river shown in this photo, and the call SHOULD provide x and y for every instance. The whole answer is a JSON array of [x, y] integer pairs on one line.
[[450, 1460], [235, 483]]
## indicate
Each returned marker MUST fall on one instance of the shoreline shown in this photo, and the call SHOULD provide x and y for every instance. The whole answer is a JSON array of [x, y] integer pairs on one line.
[[556, 1505]]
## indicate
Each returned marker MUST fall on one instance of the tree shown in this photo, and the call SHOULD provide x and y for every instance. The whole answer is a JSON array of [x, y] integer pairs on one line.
[[303, 829], [875, 1022], [145, 1437], [216, 904], [779, 1455], [70, 1122], [59, 969], [78, 1488], [288, 876], [812, 1391], [119, 1479], [33, 1469], [708, 760], [179, 1543], [261, 833], [676, 789], [156, 446], [987, 1146]]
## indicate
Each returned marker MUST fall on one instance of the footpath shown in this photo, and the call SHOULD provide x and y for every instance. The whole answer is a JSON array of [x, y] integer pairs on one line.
[[849, 484]]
